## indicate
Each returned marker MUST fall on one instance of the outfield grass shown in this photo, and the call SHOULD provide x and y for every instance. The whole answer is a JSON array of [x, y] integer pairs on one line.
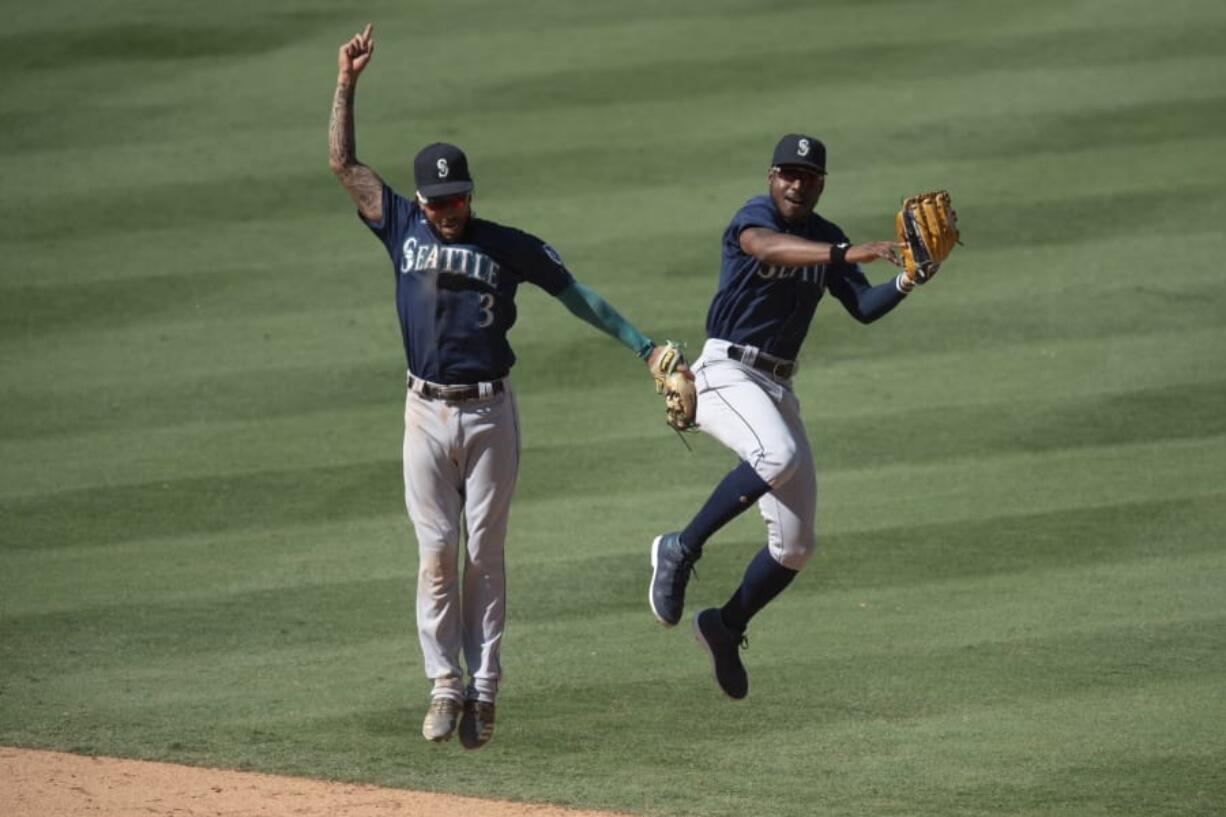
[[1019, 604]]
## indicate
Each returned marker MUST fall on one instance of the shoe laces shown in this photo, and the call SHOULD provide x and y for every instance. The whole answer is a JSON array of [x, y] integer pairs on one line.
[[685, 569], [681, 577], [484, 714], [442, 706], [687, 565]]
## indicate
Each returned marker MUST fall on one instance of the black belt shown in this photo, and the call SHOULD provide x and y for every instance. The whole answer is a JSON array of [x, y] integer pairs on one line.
[[453, 394], [772, 365]]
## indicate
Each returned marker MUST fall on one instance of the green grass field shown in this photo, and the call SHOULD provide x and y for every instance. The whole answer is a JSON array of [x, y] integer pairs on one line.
[[1019, 602]]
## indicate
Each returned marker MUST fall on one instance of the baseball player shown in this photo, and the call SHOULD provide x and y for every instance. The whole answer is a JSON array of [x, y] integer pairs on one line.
[[456, 276], [779, 259]]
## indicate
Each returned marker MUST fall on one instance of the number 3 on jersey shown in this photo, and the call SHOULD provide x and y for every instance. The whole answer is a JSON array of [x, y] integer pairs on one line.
[[487, 310]]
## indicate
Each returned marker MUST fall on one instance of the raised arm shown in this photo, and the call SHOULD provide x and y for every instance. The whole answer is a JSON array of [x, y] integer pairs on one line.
[[363, 184], [783, 250]]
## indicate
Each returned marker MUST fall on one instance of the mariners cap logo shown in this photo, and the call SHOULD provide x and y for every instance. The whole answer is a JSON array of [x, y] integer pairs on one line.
[[441, 170], [800, 150]]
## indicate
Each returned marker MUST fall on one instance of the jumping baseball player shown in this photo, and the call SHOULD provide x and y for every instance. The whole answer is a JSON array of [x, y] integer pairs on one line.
[[456, 276], [779, 259]]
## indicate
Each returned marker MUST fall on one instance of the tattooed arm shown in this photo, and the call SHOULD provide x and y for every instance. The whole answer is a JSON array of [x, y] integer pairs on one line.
[[363, 184]]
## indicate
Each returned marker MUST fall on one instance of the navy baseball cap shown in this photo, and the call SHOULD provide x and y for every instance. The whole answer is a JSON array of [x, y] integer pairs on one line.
[[441, 170], [802, 151]]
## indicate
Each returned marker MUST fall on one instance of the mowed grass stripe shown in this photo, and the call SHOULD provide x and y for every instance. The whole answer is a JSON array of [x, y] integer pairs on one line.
[[953, 491], [981, 94], [1015, 134], [1022, 41], [961, 489], [866, 567], [853, 375], [1161, 758], [828, 64], [183, 294], [200, 287], [307, 190], [1144, 36], [875, 735], [204, 567], [907, 684], [35, 308], [207, 346], [1037, 621], [194, 404], [869, 740], [850, 648], [181, 569], [963, 310], [35, 311], [326, 335], [955, 313], [486, 82], [565, 459], [1050, 531]]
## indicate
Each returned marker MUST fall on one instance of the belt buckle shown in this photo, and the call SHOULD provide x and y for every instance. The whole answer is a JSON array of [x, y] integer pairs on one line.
[[782, 369]]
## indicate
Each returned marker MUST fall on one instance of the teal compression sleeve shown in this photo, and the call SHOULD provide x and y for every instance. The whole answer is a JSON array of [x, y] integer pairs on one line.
[[589, 306]]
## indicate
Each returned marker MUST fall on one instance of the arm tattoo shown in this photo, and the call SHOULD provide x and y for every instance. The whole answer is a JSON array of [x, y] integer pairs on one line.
[[363, 184]]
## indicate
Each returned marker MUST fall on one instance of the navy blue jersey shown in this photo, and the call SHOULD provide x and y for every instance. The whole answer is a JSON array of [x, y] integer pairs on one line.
[[456, 301], [771, 307]]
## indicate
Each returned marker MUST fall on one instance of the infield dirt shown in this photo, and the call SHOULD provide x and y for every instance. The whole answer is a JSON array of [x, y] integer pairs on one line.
[[54, 784]]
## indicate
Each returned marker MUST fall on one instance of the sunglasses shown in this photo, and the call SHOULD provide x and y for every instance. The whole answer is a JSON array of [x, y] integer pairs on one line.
[[791, 174], [444, 203]]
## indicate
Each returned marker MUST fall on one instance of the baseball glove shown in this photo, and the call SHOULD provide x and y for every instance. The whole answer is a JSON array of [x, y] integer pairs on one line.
[[680, 395], [928, 225]]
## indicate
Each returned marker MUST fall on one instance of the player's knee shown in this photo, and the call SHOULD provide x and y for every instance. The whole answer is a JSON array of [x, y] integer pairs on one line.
[[483, 563], [434, 571], [778, 463], [796, 554]]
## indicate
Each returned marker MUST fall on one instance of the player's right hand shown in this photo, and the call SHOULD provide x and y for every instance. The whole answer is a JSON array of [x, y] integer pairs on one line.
[[355, 55], [867, 253]]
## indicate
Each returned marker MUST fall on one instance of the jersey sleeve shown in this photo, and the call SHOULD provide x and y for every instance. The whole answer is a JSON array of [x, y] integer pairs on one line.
[[863, 301], [397, 216], [756, 213], [538, 263]]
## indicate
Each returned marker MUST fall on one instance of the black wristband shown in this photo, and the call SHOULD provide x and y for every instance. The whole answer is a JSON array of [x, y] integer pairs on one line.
[[838, 253]]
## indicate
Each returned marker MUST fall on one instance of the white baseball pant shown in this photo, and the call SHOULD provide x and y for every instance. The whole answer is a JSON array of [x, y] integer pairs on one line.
[[758, 416], [461, 461]]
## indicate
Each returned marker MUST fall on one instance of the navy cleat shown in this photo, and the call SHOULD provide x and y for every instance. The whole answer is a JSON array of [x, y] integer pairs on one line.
[[670, 572], [724, 645], [477, 724]]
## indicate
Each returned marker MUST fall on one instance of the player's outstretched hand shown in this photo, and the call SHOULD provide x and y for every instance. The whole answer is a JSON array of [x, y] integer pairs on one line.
[[355, 55], [658, 352], [675, 381], [867, 253]]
